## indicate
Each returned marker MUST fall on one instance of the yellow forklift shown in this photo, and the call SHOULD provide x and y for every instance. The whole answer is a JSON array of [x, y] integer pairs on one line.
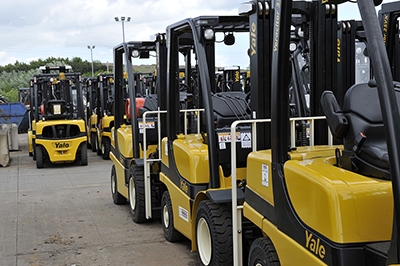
[[91, 112], [195, 161], [325, 204], [60, 129], [128, 144], [105, 118]]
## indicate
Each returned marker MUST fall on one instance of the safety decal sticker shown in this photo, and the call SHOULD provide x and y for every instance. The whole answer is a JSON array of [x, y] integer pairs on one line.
[[265, 175], [184, 214], [149, 125], [245, 139], [223, 138]]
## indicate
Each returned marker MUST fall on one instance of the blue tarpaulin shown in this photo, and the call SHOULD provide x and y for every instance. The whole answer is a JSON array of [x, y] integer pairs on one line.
[[14, 113]]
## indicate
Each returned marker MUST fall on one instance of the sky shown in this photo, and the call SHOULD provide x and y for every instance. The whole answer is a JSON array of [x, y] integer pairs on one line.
[[31, 29]]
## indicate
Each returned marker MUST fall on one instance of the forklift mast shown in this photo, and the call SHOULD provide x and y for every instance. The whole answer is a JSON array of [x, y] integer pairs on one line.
[[389, 20], [193, 32], [91, 85], [62, 90], [124, 54], [323, 70], [260, 62], [105, 94]]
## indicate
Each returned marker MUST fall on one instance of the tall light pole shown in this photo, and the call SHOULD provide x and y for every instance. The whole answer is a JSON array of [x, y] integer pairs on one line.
[[91, 55], [122, 19]]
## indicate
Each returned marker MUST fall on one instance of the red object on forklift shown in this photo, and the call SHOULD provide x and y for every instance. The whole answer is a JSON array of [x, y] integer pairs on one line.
[[139, 104]]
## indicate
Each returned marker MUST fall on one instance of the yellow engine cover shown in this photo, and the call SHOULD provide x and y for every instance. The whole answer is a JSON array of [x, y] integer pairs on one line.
[[343, 206]]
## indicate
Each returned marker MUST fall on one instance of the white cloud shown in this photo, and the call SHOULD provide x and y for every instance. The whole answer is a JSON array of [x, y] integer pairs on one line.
[[39, 29]]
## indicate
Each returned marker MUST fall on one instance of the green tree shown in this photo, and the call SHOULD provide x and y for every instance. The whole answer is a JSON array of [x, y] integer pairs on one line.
[[18, 75]]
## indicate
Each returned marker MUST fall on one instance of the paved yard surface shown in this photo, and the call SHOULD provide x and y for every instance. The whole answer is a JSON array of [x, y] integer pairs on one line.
[[64, 215]]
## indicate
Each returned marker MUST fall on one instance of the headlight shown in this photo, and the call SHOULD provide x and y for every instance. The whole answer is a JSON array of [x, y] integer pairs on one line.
[[209, 34], [57, 109], [292, 47], [135, 53]]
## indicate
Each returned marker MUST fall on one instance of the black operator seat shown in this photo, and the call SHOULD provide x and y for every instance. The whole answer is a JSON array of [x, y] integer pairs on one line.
[[228, 108], [150, 104], [360, 126]]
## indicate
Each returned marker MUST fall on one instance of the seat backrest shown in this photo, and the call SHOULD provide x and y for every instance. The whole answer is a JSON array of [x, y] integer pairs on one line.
[[366, 155], [150, 104], [229, 107], [362, 108]]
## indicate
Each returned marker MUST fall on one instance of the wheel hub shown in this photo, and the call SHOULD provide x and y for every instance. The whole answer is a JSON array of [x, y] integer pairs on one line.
[[204, 245], [165, 216], [132, 194]]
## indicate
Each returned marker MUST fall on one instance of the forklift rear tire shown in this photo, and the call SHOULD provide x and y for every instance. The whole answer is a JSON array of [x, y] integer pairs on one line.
[[118, 199], [105, 148], [214, 233], [83, 154], [263, 253], [167, 219], [93, 141], [39, 157], [136, 193]]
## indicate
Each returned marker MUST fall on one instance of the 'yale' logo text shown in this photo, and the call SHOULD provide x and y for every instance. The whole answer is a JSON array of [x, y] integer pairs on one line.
[[61, 145], [314, 245]]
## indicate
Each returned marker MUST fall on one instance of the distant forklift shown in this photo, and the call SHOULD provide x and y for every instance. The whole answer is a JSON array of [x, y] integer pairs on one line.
[[105, 117], [60, 130], [91, 112], [131, 101]]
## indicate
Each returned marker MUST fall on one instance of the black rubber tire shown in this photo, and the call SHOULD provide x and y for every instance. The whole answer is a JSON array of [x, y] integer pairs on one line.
[[167, 219], [98, 148], [105, 148], [39, 157], [83, 154], [137, 194], [217, 218], [93, 141], [88, 145], [263, 253], [118, 199], [34, 150]]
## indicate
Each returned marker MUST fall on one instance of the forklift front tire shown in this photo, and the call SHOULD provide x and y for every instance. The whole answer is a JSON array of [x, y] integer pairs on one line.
[[213, 236], [136, 193], [263, 253], [105, 148]]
